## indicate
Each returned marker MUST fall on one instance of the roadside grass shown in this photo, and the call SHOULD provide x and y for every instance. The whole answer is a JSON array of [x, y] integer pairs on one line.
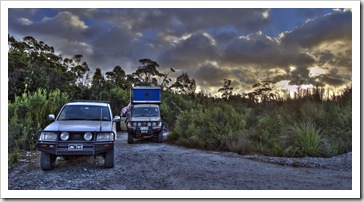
[[305, 126], [305, 139]]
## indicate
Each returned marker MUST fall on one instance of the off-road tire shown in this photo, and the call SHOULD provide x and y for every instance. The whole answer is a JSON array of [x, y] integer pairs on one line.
[[130, 138], [109, 159], [160, 137], [47, 161]]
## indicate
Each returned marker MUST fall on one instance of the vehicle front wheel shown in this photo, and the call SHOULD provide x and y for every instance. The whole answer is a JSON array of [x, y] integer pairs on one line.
[[47, 161], [130, 138], [160, 137], [109, 159]]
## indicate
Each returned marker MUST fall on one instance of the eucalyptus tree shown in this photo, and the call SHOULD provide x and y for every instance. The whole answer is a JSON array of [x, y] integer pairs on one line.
[[263, 91], [226, 90], [33, 65], [184, 84], [147, 72], [166, 80], [97, 84], [116, 78]]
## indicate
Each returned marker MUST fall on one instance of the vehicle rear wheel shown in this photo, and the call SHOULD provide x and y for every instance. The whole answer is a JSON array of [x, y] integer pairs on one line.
[[130, 138], [160, 137], [47, 161], [109, 159]]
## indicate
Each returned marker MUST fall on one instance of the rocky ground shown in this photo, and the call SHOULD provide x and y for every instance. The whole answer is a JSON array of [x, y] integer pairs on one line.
[[146, 165]]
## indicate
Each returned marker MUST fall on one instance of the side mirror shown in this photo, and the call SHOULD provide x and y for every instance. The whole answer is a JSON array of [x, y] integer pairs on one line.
[[116, 119], [51, 117]]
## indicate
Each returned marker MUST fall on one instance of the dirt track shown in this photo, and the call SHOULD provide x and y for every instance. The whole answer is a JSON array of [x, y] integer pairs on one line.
[[146, 165]]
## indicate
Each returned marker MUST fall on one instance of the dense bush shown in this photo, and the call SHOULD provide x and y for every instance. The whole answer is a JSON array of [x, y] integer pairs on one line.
[[312, 123], [295, 127], [173, 104], [28, 114], [217, 127], [298, 127]]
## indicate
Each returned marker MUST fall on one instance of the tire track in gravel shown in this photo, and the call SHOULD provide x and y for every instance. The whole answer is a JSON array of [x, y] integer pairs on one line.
[[146, 165]]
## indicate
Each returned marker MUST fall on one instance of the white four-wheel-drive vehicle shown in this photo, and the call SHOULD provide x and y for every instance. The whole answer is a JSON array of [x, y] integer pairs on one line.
[[83, 128]]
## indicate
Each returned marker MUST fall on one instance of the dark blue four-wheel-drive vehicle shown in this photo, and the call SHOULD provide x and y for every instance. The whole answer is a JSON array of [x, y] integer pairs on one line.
[[81, 128]]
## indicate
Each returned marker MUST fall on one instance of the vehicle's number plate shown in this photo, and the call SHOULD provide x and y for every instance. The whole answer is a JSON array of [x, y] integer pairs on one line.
[[143, 128], [75, 147]]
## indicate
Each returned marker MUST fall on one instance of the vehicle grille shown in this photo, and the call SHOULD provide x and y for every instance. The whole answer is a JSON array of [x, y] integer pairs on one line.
[[77, 136]]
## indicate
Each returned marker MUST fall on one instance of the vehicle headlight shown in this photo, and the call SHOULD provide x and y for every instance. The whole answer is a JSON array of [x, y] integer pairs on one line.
[[154, 124], [48, 136], [65, 136], [139, 124], [105, 137], [87, 136], [149, 123]]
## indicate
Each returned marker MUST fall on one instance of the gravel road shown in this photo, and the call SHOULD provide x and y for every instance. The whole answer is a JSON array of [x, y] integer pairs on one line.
[[146, 165]]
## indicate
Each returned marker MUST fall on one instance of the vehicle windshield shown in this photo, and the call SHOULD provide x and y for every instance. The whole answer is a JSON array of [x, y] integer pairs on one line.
[[145, 112], [85, 112]]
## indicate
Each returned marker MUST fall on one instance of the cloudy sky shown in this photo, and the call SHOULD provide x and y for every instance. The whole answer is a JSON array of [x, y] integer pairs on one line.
[[246, 45]]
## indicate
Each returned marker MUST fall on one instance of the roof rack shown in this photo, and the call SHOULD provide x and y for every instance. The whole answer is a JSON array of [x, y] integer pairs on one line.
[[96, 101]]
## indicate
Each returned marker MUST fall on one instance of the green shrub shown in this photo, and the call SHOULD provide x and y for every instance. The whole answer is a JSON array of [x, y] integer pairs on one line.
[[28, 114], [295, 127], [173, 104], [337, 127], [14, 155], [215, 127], [269, 128]]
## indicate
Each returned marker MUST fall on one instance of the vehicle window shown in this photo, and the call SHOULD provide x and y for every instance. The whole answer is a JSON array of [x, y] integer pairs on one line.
[[85, 112], [145, 112]]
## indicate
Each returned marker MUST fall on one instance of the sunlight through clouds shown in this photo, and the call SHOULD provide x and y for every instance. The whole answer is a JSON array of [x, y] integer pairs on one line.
[[307, 45], [316, 71]]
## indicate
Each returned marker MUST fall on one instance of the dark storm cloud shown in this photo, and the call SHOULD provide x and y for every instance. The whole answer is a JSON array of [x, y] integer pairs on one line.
[[262, 52], [180, 21], [328, 40], [122, 26], [334, 79], [63, 30], [200, 19], [252, 49], [211, 75], [185, 20], [64, 24], [190, 52], [208, 44], [327, 58], [112, 46], [23, 12], [324, 29]]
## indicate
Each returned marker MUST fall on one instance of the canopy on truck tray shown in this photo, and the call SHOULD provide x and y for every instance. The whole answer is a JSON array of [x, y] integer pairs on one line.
[[146, 94]]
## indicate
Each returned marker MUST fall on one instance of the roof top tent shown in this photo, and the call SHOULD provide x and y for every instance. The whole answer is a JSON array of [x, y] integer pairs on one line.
[[146, 95]]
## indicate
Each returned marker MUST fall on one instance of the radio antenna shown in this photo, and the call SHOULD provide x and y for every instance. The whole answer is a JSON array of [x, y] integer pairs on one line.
[[101, 119]]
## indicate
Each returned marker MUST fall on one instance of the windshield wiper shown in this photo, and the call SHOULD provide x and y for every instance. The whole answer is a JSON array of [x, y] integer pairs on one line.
[[71, 119], [105, 119]]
